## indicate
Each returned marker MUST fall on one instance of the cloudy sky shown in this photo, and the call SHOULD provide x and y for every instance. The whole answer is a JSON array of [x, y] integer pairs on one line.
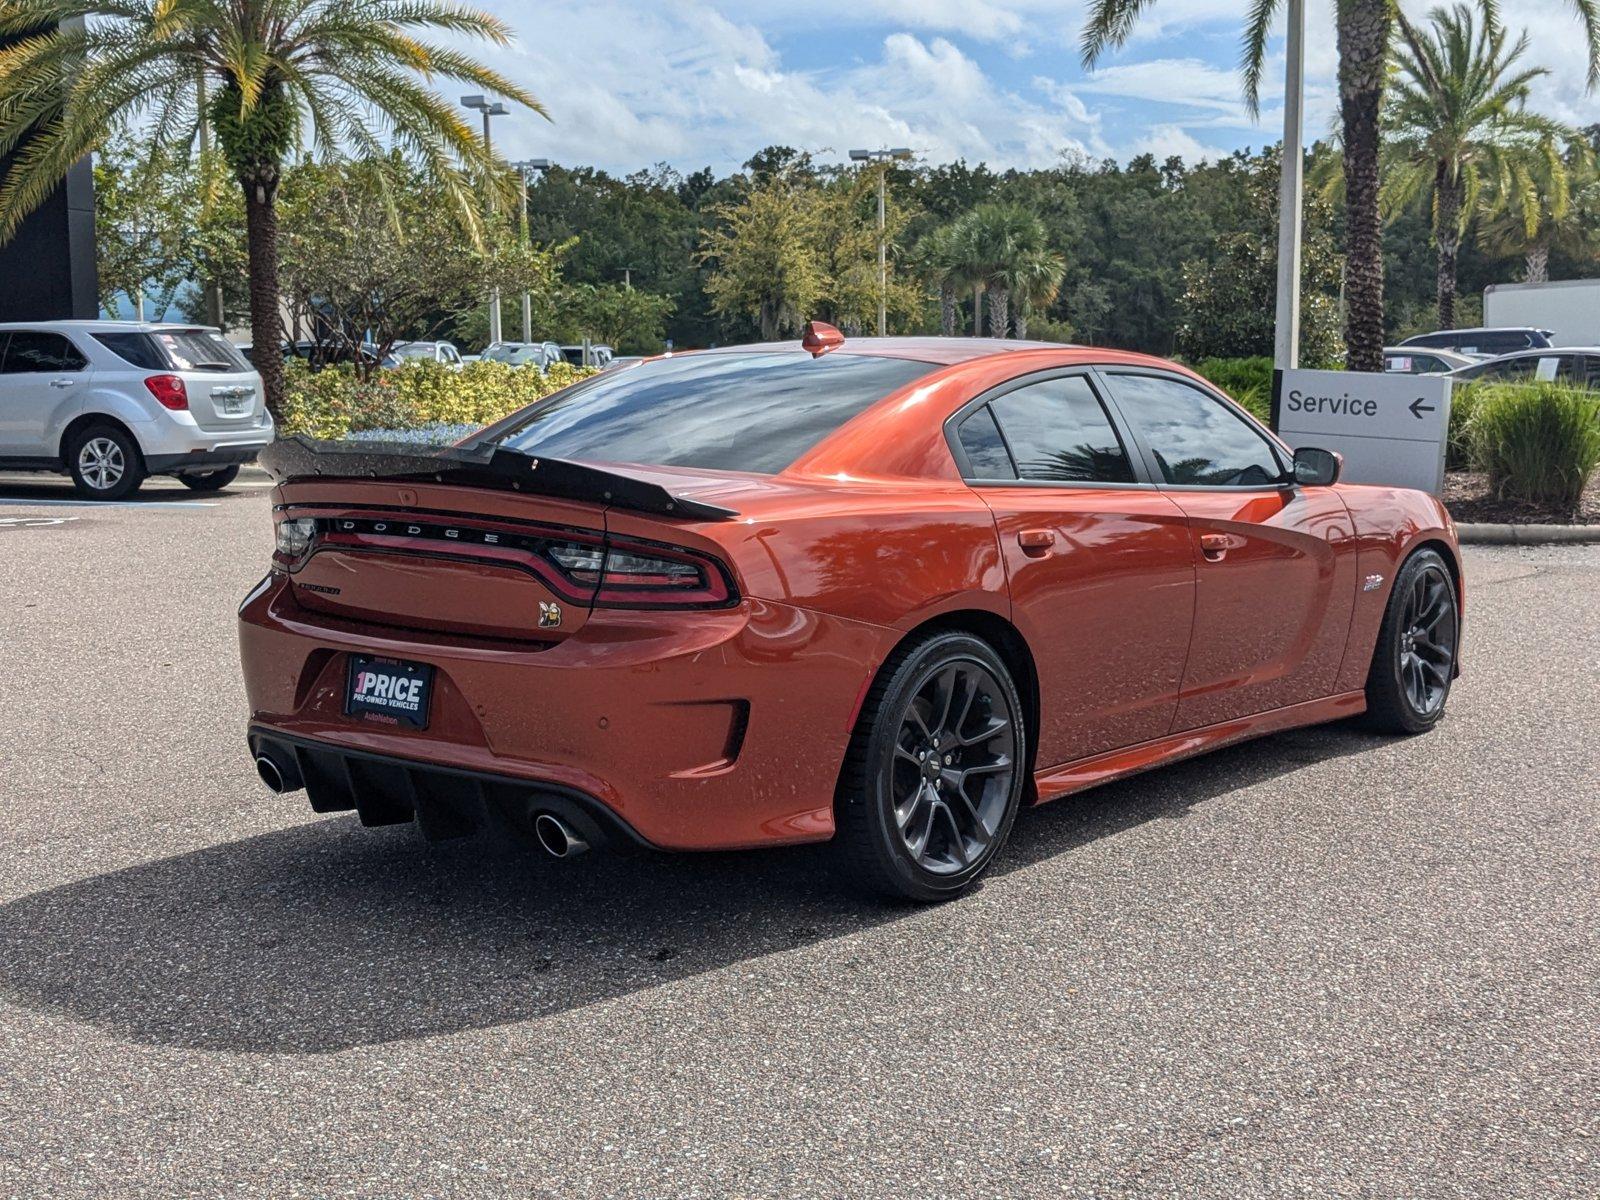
[[629, 83]]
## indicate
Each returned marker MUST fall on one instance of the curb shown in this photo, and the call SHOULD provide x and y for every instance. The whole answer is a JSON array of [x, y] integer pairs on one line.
[[1526, 535]]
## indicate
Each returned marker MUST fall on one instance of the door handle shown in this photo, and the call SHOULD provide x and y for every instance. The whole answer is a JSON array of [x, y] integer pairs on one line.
[[1214, 546], [1036, 541], [61, 383]]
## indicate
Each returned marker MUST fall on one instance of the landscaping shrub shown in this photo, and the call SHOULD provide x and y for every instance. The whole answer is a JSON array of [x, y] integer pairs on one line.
[[333, 403], [1247, 380], [1464, 401], [1539, 442]]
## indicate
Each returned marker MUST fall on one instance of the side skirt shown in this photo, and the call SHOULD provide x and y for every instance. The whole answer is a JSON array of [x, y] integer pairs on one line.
[[1056, 782]]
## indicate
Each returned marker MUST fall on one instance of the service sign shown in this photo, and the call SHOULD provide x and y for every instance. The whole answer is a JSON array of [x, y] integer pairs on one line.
[[1390, 428]]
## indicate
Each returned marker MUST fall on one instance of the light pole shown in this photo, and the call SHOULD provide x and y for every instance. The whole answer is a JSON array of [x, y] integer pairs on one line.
[[489, 109], [883, 158], [1286, 333], [526, 168]]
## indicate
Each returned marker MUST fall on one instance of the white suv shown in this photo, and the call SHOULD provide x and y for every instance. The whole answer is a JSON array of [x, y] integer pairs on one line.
[[112, 402]]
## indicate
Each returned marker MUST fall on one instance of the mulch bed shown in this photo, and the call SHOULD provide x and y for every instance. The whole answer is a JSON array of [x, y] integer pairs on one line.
[[1469, 499]]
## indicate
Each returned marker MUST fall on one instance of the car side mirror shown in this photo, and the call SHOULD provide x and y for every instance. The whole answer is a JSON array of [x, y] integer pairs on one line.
[[1317, 468]]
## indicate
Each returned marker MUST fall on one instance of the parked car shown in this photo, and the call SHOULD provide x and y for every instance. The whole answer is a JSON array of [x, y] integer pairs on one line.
[[325, 354], [112, 402], [1482, 343], [443, 353], [1575, 366], [596, 356], [1404, 360], [524, 354], [884, 591]]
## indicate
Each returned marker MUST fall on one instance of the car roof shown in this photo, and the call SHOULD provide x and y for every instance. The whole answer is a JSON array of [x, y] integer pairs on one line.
[[940, 350], [107, 326]]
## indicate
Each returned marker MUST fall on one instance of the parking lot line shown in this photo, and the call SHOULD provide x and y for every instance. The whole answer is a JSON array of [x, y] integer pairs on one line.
[[26, 503]]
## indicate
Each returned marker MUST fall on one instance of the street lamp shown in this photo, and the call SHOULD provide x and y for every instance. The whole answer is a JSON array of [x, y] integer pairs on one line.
[[884, 158], [525, 169], [1286, 335], [489, 109]]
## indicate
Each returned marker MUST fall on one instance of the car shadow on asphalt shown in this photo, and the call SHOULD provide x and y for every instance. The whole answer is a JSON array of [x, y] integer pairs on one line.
[[326, 936]]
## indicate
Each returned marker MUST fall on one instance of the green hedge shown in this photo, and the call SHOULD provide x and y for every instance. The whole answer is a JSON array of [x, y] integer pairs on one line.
[[1539, 442], [333, 403], [1247, 380]]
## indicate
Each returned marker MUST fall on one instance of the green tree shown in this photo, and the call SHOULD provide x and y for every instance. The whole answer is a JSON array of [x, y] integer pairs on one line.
[[375, 250], [1229, 301], [1363, 29], [269, 69], [1455, 118], [1536, 205], [763, 255], [146, 211], [1003, 247], [630, 320]]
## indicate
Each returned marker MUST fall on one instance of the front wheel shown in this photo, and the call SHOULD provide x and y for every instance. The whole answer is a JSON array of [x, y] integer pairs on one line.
[[210, 481], [1415, 659], [933, 778]]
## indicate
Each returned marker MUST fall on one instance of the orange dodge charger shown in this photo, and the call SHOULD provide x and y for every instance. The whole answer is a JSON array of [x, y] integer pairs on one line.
[[880, 591]]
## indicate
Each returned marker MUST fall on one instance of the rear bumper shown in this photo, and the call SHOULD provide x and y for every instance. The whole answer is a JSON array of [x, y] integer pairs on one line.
[[203, 459], [445, 802], [689, 730]]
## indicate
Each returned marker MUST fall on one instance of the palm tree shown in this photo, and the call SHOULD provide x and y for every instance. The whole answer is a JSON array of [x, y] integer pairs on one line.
[[1036, 284], [1535, 206], [938, 258], [351, 70], [1363, 29], [1455, 118], [1004, 249]]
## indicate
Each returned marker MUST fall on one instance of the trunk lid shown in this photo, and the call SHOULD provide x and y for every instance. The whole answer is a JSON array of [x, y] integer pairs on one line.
[[478, 542], [225, 393]]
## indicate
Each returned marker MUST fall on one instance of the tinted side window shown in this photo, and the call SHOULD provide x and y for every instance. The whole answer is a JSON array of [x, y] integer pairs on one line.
[[1511, 369], [1059, 433], [138, 349], [1196, 439], [32, 352], [987, 456]]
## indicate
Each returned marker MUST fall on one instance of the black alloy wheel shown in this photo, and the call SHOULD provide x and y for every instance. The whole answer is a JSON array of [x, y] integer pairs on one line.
[[1415, 659], [934, 777]]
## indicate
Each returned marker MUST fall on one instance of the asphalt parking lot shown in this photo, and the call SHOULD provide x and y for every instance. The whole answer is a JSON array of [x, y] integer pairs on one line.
[[1325, 964]]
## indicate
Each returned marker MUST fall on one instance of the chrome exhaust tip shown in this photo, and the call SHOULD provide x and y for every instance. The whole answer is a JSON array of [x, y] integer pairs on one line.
[[556, 837], [278, 777]]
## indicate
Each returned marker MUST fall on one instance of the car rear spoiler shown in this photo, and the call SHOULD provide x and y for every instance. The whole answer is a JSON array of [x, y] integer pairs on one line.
[[300, 457]]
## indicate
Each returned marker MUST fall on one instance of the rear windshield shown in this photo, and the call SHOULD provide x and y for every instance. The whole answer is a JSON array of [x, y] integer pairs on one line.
[[175, 350], [755, 412]]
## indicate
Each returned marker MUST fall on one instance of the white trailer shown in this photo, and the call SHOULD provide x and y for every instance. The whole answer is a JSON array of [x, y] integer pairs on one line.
[[1569, 308]]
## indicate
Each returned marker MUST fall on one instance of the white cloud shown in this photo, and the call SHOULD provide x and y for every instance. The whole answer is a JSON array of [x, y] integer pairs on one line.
[[1165, 141], [689, 85], [630, 83]]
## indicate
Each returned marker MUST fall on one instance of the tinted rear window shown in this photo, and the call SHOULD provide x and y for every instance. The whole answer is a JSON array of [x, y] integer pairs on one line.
[[175, 350], [727, 412]]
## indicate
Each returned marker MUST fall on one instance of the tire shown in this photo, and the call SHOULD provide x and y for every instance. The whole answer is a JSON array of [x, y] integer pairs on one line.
[[210, 481], [1415, 658], [104, 462], [915, 830]]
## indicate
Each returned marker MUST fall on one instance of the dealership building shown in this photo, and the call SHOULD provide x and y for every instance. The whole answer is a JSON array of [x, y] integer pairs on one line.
[[48, 270]]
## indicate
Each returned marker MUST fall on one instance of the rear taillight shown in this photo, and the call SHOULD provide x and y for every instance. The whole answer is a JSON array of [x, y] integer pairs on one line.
[[169, 391], [294, 538], [644, 575], [576, 565]]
